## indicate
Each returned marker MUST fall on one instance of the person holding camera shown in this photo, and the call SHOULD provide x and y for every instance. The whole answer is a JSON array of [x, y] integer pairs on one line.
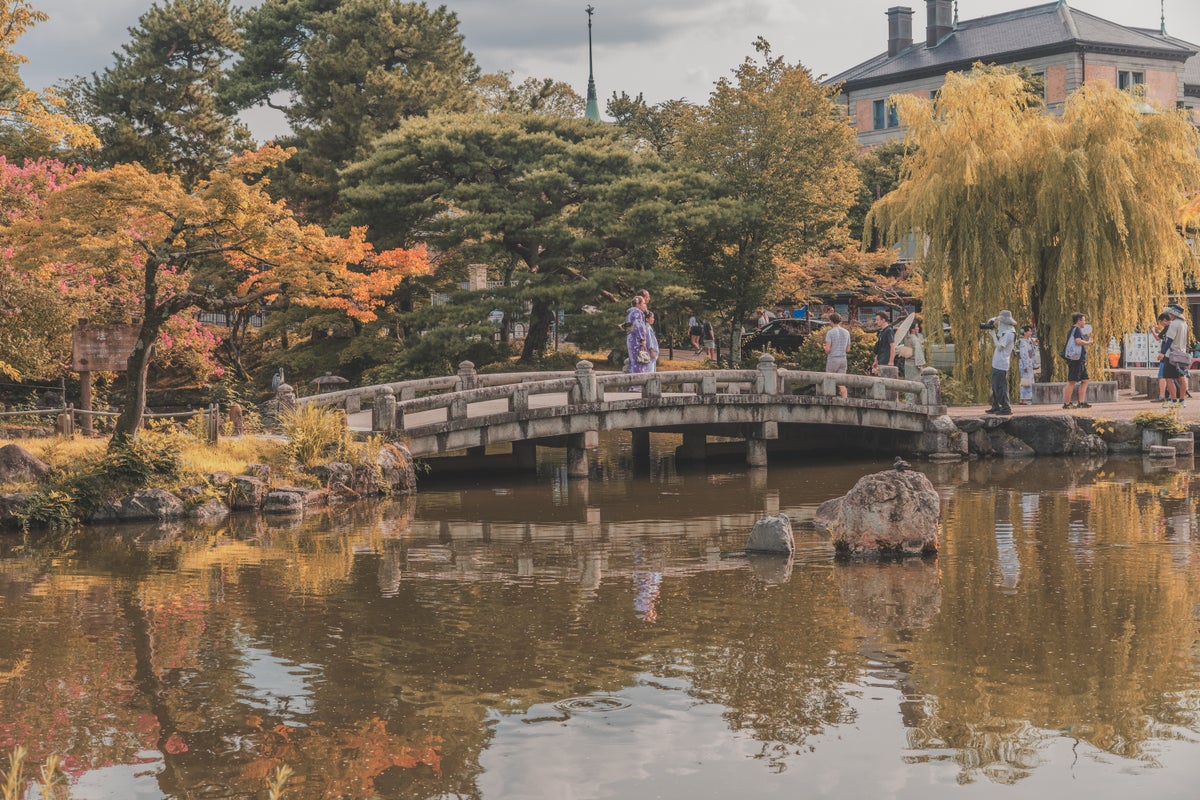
[[1078, 341], [1003, 329]]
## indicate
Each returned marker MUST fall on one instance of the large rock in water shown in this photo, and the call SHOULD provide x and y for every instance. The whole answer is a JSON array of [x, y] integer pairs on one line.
[[143, 505], [887, 513], [396, 464], [18, 466], [1048, 435]]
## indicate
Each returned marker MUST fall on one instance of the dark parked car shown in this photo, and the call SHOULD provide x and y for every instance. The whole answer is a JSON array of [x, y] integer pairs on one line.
[[780, 335]]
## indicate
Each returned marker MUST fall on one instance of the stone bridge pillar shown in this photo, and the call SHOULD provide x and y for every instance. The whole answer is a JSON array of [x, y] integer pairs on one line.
[[285, 398], [933, 386], [768, 374], [577, 456], [383, 415], [585, 376], [467, 377]]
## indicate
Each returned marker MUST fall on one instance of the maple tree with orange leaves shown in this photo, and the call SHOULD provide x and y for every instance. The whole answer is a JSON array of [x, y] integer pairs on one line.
[[135, 239]]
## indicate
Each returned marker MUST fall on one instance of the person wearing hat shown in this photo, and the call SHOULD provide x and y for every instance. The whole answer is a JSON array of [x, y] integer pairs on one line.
[[1175, 357], [1078, 341], [1004, 336]]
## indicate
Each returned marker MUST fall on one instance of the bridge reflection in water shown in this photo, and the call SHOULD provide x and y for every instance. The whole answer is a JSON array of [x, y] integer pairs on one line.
[[417, 649]]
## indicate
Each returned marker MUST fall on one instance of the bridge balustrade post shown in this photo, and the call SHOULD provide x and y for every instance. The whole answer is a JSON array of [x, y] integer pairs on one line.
[[933, 386], [708, 385], [768, 375], [285, 399], [827, 386], [383, 415], [585, 378], [467, 377], [457, 409], [518, 401], [353, 404], [652, 388]]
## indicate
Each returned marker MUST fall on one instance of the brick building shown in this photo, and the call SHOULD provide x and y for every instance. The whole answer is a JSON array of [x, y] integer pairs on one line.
[[1067, 47]]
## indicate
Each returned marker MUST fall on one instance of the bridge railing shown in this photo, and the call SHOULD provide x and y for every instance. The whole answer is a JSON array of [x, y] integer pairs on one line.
[[584, 385]]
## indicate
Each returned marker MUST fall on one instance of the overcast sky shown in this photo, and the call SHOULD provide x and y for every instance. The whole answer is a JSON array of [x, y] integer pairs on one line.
[[662, 48]]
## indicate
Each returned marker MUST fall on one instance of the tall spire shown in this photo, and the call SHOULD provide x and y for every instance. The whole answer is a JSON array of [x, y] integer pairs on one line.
[[955, 14], [593, 108], [1162, 7]]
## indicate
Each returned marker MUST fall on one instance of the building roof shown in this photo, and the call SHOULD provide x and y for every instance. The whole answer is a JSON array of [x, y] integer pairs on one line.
[[1015, 36]]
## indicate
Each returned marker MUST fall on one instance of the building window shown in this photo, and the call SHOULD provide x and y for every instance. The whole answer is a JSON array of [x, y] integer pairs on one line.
[[933, 94], [1126, 79], [880, 109], [893, 116]]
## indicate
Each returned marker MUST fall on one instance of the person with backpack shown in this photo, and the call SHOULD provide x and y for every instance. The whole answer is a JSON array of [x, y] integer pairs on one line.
[[1075, 353]]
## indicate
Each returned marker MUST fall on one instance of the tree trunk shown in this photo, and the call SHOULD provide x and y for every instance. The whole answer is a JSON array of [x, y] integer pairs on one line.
[[735, 342], [539, 332], [138, 370]]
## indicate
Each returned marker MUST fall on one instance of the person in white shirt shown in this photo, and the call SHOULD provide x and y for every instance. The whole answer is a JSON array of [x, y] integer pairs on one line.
[[1176, 357], [837, 344], [1004, 336]]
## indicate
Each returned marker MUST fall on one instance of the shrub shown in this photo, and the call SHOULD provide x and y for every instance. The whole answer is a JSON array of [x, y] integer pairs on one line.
[[810, 356], [315, 433], [1165, 421], [956, 392], [154, 454]]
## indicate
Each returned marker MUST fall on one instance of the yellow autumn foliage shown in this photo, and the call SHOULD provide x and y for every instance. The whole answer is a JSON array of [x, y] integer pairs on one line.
[[1040, 214]]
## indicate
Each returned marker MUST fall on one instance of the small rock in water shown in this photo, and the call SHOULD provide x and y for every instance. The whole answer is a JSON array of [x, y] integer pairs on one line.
[[772, 535]]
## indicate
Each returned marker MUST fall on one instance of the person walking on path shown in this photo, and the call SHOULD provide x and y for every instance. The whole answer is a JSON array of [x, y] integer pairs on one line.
[[1028, 362], [837, 343], [1078, 341], [708, 337], [915, 342], [651, 342], [637, 341], [885, 343], [1004, 337], [695, 331], [1175, 357]]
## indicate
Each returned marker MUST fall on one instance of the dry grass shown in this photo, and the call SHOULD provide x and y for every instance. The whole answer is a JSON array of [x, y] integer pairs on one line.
[[197, 457]]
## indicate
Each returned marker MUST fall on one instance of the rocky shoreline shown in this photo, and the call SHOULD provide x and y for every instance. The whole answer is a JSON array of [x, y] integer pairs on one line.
[[1063, 435], [220, 493]]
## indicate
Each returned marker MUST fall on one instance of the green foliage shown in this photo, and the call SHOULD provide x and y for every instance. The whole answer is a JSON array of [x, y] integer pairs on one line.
[[138, 461], [157, 104], [550, 203], [498, 94], [956, 392], [1164, 421], [810, 357], [315, 433], [782, 152], [346, 73]]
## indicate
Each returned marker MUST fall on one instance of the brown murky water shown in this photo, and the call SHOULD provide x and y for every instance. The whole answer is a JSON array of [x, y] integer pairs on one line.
[[540, 639]]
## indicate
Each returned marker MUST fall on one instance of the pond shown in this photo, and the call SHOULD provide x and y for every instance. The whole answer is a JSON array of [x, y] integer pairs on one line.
[[538, 638]]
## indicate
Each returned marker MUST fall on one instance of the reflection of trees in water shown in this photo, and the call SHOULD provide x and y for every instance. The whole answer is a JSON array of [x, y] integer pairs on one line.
[[1074, 614], [1094, 639]]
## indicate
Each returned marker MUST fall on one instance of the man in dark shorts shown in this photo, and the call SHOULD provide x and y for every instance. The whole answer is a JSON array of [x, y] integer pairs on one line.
[[1078, 341]]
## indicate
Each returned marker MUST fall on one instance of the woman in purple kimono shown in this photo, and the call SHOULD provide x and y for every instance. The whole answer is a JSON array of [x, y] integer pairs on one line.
[[637, 340]]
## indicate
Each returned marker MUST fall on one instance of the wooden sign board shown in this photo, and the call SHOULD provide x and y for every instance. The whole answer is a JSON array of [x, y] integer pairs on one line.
[[102, 348]]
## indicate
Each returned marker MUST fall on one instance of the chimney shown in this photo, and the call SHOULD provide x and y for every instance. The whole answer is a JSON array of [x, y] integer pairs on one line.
[[899, 29], [939, 21]]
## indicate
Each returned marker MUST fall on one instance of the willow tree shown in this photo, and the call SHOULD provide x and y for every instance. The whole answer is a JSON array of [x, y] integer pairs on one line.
[[1040, 214]]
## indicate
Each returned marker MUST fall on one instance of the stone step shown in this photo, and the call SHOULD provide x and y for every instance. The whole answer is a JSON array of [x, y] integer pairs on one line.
[[1164, 452]]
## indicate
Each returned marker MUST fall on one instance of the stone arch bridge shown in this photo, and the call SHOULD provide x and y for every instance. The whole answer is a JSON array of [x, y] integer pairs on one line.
[[766, 408]]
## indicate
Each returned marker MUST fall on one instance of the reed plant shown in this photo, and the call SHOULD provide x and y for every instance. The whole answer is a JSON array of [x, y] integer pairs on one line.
[[315, 433]]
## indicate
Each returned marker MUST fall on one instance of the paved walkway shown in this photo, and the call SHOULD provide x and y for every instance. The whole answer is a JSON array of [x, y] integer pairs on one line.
[[1126, 405]]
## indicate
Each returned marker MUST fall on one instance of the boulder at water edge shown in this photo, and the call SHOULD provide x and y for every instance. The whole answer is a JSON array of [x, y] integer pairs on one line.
[[887, 513], [772, 535], [18, 466]]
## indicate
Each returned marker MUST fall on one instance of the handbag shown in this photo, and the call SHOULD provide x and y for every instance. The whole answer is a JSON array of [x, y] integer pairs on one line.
[[904, 351], [643, 357], [1179, 358]]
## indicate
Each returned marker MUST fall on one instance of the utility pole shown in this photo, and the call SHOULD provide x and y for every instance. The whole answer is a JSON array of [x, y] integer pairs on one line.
[[593, 107]]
